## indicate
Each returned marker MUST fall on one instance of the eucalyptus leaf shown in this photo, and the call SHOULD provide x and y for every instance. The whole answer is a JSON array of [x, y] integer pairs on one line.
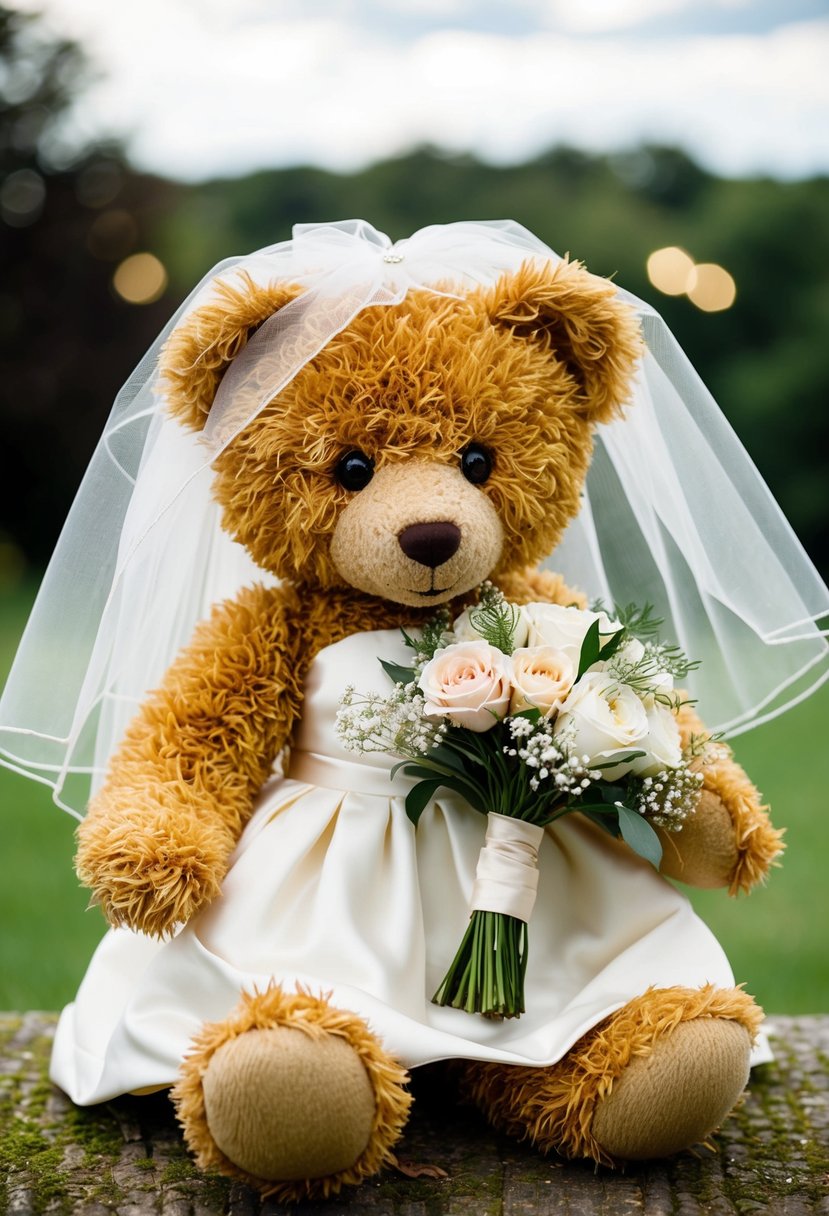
[[395, 769], [396, 673], [615, 758], [461, 785], [638, 833], [611, 793], [596, 808], [418, 797], [610, 647], [411, 769], [602, 816], [590, 649]]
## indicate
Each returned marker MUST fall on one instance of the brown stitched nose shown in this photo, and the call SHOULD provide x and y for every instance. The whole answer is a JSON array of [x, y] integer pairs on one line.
[[430, 544]]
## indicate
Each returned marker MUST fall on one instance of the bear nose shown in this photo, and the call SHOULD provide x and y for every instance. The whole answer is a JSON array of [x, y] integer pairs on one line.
[[430, 544]]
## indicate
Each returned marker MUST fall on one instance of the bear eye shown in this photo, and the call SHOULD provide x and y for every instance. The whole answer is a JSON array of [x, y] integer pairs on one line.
[[476, 463], [354, 470]]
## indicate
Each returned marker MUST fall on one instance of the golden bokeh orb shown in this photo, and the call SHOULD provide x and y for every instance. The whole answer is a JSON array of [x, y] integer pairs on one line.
[[140, 278], [711, 287], [670, 270]]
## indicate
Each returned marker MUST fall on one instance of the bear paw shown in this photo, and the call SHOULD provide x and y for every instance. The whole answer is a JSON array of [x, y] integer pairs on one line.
[[656, 1077], [292, 1096], [677, 1095], [152, 868]]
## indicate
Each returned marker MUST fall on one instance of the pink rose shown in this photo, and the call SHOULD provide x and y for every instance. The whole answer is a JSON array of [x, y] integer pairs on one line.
[[468, 683], [542, 676]]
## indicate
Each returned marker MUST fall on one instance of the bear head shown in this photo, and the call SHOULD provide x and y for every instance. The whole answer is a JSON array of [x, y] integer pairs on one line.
[[430, 445]]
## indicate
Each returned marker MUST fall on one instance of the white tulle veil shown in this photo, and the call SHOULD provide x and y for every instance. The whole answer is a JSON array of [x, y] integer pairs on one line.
[[674, 513]]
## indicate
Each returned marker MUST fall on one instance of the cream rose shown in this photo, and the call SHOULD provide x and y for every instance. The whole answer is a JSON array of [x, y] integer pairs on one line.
[[628, 656], [564, 628], [468, 683], [541, 678], [663, 746], [601, 717], [465, 631]]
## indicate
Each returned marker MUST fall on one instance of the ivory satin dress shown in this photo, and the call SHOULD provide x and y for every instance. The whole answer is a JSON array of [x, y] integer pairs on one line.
[[331, 887]]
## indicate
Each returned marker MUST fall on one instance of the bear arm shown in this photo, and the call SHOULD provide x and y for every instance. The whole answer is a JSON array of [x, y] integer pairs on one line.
[[531, 586], [728, 841], [156, 840]]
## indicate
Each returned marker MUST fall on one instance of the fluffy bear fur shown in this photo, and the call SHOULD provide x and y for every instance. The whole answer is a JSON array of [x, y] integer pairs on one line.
[[526, 368]]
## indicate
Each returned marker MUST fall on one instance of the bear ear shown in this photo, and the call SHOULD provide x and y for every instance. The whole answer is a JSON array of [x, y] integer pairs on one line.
[[582, 323], [199, 350]]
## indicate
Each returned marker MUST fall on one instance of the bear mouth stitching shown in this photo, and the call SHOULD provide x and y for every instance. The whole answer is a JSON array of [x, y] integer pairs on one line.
[[432, 590]]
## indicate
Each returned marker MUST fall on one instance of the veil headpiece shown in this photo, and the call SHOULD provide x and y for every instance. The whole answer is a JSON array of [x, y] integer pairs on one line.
[[673, 513]]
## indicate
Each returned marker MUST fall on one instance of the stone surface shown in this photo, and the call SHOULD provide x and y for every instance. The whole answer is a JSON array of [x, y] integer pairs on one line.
[[126, 1157]]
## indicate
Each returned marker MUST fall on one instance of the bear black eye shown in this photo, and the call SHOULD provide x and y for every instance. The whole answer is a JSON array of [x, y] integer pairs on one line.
[[476, 463], [354, 470]]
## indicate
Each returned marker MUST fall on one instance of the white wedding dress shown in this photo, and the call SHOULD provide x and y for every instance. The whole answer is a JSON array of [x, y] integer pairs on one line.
[[332, 888]]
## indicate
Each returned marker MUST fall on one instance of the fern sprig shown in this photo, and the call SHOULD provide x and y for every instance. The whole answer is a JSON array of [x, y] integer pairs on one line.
[[495, 619]]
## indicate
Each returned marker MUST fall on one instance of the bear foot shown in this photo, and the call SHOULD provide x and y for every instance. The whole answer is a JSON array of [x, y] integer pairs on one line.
[[291, 1096], [658, 1076], [676, 1096]]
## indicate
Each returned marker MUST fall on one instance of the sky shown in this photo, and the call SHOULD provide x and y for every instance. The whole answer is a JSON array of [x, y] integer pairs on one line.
[[204, 88]]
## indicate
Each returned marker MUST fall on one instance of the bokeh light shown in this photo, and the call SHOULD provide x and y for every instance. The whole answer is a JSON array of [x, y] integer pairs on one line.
[[670, 270], [140, 279], [112, 235], [21, 197], [673, 272], [99, 183], [711, 288]]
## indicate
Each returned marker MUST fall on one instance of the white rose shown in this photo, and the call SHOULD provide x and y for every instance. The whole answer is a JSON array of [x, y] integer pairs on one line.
[[631, 653], [601, 717], [564, 628], [663, 746], [541, 678], [660, 684], [465, 631], [468, 683]]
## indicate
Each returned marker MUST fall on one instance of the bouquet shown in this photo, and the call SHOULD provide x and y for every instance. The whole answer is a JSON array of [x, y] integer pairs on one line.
[[531, 713]]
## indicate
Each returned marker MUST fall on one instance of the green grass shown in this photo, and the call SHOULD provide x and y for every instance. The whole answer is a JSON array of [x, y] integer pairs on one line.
[[776, 938]]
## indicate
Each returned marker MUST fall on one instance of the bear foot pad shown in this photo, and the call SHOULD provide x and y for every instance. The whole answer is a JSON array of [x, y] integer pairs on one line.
[[677, 1095], [282, 1105]]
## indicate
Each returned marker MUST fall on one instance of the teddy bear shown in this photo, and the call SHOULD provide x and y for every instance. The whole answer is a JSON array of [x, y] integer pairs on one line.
[[278, 925]]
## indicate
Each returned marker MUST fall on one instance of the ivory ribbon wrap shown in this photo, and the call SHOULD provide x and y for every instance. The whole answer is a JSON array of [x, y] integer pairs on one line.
[[506, 879]]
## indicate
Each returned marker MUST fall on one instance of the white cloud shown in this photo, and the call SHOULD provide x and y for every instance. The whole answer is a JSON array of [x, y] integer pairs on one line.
[[202, 92], [596, 16]]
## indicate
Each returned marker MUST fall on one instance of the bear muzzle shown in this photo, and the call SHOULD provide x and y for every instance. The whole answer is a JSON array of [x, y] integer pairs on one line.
[[418, 533]]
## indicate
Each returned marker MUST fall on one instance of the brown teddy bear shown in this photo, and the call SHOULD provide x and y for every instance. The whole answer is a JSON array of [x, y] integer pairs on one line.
[[277, 935]]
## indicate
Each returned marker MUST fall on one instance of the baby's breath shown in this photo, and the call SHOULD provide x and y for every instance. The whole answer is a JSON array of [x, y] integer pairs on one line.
[[670, 796], [552, 762], [396, 725]]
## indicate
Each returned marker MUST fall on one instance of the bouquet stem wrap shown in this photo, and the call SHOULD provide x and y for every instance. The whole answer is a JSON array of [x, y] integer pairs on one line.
[[487, 974]]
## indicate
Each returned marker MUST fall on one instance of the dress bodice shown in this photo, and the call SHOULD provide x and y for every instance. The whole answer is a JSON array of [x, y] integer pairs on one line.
[[355, 661]]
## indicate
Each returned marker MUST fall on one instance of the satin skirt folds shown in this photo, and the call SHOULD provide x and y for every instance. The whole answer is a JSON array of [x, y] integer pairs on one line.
[[336, 891]]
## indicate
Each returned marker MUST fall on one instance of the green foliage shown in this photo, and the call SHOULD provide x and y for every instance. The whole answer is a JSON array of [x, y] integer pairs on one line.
[[763, 358], [430, 638], [495, 619]]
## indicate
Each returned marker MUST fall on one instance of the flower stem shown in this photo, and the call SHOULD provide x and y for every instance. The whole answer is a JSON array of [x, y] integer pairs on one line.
[[487, 973]]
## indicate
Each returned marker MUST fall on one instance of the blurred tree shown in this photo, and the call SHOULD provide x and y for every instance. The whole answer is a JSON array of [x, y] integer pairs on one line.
[[70, 210], [71, 213], [764, 358]]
